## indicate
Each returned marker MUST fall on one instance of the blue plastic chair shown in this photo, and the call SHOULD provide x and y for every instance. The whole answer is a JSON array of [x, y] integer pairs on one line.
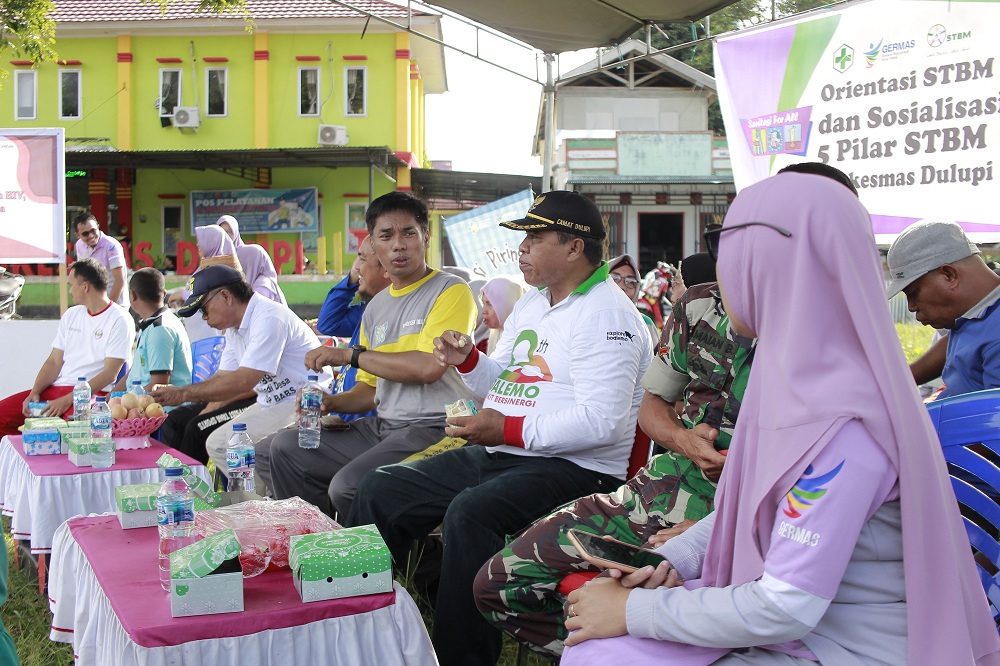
[[206, 355], [964, 423]]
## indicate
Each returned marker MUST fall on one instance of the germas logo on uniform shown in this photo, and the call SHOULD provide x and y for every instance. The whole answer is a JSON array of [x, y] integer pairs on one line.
[[378, 335], [808, 490]]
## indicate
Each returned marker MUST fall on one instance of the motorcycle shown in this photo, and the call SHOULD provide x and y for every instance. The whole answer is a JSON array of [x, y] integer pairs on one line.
[[654, 294], [11, 285]]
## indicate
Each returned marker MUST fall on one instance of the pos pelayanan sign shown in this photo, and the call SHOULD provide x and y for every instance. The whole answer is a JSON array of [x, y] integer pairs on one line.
[[258, 211], [32, 196], [902, 95]]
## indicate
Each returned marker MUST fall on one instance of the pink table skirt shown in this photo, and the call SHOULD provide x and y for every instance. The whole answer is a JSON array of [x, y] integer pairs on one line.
[[125, 564], [59, 465]]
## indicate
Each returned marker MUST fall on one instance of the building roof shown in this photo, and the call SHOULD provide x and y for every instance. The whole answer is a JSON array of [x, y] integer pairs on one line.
[[260, 10], [440, 188], [258, 158]]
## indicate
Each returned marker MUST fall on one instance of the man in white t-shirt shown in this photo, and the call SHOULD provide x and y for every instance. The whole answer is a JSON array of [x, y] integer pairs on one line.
[[93, 340], [91, 243], [266, 344]]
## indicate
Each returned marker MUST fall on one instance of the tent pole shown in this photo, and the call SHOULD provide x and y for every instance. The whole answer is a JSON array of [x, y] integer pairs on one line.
[[550, 119]]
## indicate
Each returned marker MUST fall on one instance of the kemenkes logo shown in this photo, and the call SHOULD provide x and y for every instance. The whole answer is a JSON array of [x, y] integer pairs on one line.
[[843, 58]]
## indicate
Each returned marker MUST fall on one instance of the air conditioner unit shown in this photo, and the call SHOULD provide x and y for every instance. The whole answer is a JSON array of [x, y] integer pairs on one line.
[[332, 135], [187, 116]]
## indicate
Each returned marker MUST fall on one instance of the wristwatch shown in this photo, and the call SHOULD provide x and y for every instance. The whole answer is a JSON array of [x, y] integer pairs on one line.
[[355, 353]]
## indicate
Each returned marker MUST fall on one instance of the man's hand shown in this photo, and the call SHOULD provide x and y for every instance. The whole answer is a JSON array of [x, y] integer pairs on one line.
[[355, 275], [452, 348], [321, 357], [698, 446], [168, 395], [484, 428], [32, 397], [59, 406]]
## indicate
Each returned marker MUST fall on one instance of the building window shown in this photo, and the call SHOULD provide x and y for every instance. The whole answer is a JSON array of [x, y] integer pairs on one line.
[[25, 94], [217, 90], [308, 91], [356, 94], [70, 94], [170, 91]]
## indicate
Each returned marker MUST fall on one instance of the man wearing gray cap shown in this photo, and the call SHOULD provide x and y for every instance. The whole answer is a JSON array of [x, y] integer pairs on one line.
[[948, 285]]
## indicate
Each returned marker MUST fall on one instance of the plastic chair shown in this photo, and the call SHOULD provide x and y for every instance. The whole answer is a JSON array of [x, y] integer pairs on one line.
[[969, 427], [206, 355]]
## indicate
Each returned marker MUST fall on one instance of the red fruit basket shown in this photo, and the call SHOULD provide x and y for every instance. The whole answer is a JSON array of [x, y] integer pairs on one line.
[[134, 433]]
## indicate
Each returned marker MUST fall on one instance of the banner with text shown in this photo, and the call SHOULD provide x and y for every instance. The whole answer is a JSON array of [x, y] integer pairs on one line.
[[32, 196], [478, 241], [902, 95], [258, 211]]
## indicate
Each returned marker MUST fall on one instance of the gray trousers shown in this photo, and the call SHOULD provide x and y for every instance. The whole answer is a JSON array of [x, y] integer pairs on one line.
[[330, 475]]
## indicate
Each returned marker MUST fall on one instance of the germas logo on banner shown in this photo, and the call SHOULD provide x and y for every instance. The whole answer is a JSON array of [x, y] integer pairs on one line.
[[958, 137]]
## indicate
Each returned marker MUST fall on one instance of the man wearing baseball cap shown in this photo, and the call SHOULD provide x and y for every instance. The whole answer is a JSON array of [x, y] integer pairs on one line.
[[558, 421], [266, 345], [949, 286]]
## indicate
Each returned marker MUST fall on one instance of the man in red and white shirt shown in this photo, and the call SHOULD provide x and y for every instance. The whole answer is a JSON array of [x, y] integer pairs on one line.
[[93, 340]]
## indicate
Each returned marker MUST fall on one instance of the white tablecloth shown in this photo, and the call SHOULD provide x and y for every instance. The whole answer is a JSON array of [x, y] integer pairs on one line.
[[37, 505], [82, 615]]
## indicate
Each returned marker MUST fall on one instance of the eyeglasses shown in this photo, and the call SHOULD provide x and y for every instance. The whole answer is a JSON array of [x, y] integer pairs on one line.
[[88, 233], [204, 305], [631, 283], [713, 231]]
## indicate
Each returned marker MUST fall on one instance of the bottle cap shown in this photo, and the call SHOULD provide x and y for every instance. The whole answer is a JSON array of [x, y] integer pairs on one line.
[[81, 379], [174, 471], [239, 427], [101, 398], [136, 382], [313, 378]]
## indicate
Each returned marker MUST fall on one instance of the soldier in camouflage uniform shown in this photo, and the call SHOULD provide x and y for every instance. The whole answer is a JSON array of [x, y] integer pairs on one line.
[[702, 362]]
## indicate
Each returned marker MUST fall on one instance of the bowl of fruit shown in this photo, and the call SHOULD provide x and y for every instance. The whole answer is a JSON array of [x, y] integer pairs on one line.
[[134, 419]]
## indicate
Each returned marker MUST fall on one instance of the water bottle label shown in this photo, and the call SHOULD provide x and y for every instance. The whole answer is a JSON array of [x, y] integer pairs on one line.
[[236, 458], [233, 459], [311, 400], [249, 457], [172, 513], [100, 421]]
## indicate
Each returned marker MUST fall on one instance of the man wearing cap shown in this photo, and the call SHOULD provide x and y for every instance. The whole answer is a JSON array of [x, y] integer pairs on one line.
[[266, 345], [949, 286], [558, 421]]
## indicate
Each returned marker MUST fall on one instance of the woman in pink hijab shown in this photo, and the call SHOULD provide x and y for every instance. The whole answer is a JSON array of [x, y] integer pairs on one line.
[[257, 265], [836, 537], [498, 296]]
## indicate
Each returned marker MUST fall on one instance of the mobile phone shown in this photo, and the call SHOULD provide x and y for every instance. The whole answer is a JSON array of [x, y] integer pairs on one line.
[[612, 554]]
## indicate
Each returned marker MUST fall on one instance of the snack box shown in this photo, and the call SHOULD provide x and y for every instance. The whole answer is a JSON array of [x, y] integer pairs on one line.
[[206, 578], [41, 441], [135, 505], [349, 562]]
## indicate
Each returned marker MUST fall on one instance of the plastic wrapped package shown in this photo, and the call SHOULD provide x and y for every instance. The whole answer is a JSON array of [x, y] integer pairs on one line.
[[264, 529]]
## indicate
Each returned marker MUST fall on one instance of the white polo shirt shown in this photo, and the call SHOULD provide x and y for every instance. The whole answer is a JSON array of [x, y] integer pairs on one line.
[[87, 339], [271, 338]]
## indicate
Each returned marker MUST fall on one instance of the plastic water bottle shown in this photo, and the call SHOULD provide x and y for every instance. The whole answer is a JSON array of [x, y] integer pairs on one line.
[[174, 519], [137, 388], [309, 414], [240, 457], [81, 400], [102, 451]]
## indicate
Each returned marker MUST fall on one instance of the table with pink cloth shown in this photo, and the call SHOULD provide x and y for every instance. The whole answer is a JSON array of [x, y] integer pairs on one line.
[[40, 492], [105, 597]]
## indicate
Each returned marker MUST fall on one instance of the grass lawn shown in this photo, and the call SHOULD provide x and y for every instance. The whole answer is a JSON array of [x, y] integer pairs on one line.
[[26, 613]]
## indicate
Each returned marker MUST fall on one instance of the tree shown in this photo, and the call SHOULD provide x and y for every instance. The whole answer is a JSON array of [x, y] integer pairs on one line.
[[27, 28], [740, 15]]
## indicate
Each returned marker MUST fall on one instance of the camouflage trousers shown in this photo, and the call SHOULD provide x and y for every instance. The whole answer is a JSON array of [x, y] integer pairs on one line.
[[516, 590]]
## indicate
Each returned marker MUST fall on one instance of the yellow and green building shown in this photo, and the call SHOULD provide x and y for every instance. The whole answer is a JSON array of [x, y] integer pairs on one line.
[[298, 94]]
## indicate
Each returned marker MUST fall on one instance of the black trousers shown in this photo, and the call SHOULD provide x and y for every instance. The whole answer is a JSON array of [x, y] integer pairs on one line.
[[186, 429]]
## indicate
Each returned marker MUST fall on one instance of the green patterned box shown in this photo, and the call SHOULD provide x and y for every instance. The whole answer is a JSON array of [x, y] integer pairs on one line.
[[205, 577], [344, 563], [136, 505], [77, 441], [198, 485], [75, 430]]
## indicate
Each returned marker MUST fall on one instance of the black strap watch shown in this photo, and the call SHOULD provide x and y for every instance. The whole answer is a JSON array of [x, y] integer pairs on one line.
[[355, 353]]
